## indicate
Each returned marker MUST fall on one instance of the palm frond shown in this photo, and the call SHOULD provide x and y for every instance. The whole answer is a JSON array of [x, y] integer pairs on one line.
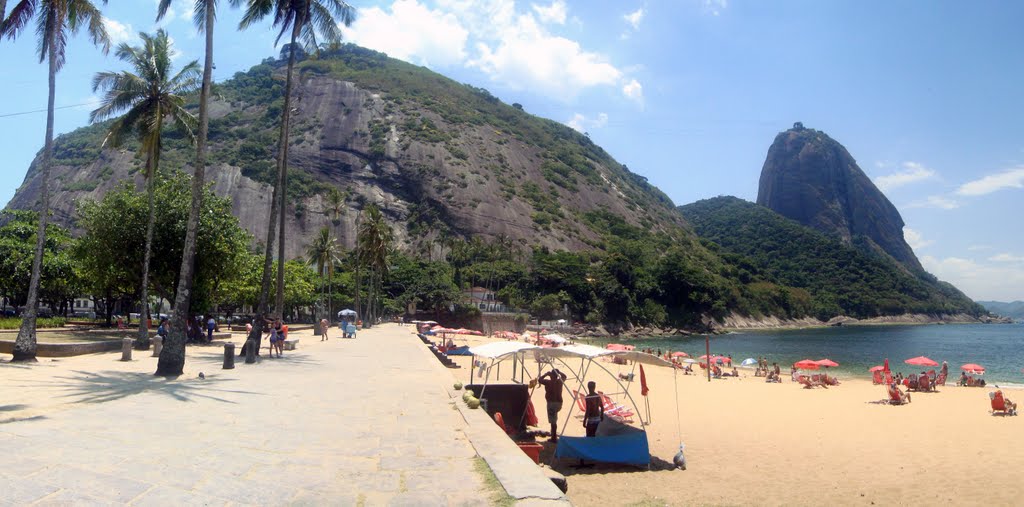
[[19, 18]]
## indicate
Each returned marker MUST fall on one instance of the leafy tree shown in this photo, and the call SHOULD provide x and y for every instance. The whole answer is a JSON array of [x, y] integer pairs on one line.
[[55, 21], [109, 246], [306, 20], [428, 285], [149, 96], [60, 282]]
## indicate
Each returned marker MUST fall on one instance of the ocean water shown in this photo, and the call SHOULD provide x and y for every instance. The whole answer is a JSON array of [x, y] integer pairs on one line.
[[997, 347]]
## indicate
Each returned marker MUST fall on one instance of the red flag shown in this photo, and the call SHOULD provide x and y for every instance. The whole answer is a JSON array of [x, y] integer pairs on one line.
[[643, 382]]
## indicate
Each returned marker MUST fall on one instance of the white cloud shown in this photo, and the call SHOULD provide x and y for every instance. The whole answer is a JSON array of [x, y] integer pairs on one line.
[[528, 57], [118, 32], [634, 18], [1013, 178], [915, 239], [935, 201], [1005, 257], [554, 13], [715, 7], [978, 248], [980, 281], [633, 90], [411, 32], [580, 123], [911, 172]]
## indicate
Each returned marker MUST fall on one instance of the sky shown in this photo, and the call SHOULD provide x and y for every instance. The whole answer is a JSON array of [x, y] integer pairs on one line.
[[926, 96]]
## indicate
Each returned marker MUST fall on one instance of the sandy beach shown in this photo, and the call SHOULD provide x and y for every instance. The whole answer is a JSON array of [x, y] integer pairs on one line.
[[753, 443]]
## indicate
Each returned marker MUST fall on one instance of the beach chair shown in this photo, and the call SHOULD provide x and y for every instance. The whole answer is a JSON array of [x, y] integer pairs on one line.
[[940, 380], [876, 377], [897, 397], [806, 381], [615, 410], [911, 382], [1001, 404]]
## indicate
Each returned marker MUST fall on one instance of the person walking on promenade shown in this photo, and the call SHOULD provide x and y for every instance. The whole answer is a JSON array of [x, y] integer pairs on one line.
[[553, 382], [210, 326], [324, 325]]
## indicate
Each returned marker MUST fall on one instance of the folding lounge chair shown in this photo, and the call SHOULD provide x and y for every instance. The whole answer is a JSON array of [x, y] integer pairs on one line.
[[876, 377], [1001, 404], [615, 410]]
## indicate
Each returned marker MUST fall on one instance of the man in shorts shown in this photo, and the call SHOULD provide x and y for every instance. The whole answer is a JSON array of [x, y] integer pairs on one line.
[[553, 382]]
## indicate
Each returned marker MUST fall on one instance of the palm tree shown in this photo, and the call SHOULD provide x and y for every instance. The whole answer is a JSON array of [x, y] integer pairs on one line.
[[149, 96], [335, 204], [305, 19], [56, 20], [172, 358], [373, 243], [324, 252]]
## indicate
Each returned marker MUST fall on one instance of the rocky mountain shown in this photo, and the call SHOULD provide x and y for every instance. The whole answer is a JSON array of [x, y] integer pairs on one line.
[[841, 279], [442, 160], [809, 177], [1014, 310]]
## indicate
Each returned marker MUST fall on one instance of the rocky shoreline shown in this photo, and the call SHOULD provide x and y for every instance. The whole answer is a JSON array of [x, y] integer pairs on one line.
[[736, 322]]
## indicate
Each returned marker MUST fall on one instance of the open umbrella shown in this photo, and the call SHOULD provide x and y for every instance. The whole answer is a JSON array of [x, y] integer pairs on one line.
[[680, 354], [690, 360], [973, 369], [722, 360], [619, 346], [748, 362], [876, 368], [806, 364], [826, 363], [921, 361], [351, 313]]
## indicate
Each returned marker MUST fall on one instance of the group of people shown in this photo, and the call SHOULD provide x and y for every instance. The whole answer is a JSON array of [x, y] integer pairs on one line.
[[193, 330], [278, 332]]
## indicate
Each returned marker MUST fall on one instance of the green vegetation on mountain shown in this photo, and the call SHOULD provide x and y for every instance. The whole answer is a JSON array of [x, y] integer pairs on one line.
[[840, 279]]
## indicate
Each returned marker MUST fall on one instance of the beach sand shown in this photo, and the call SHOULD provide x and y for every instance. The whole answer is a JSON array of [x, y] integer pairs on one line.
[[753, 443]]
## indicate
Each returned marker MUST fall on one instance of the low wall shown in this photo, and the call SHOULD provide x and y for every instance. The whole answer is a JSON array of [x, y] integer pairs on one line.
[[66, 349], [494, 322]]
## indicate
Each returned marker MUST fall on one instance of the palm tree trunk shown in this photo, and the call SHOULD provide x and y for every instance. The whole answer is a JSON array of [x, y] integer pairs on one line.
[[25, 344], [172, 357], [330, 293], [142, 341], [282, 172]]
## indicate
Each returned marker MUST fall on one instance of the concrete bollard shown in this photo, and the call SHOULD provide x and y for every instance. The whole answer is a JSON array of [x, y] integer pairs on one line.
[[126, 349], [229, 356], [158, 345], [250, 352]]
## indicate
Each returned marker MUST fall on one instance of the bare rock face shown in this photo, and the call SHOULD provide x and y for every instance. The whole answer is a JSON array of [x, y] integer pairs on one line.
[[811, 178], [442, 161]]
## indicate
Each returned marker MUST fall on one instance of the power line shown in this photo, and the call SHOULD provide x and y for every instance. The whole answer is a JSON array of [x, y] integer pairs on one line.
[[8, 115]]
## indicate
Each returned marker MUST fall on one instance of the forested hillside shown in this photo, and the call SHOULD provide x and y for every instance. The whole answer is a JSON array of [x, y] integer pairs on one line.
[[841, 279]]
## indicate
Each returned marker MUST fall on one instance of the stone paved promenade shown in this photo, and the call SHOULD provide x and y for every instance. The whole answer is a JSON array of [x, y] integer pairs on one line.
[[346, 422]]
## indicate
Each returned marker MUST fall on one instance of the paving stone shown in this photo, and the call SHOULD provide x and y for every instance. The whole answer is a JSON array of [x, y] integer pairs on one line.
[[87, 482], [175, 497], [21, 491], [66, 497]]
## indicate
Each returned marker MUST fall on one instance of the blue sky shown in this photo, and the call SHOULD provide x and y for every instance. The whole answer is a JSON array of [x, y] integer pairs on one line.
[[690, 93]]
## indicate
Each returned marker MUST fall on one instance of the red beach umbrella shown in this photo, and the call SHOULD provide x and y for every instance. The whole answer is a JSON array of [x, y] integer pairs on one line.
[[722, 359], [885, 367], [973, 369], [680, 354], [806, 364], [876, 368], [826, 363], [921, 361]]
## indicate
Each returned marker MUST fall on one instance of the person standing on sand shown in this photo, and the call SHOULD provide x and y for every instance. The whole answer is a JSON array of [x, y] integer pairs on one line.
[[323, 329], [595, 410], [553, 382]]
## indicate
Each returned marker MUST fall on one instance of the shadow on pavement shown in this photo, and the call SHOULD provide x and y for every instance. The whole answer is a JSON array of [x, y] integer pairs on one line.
[[89, 387], [12, 408], [19, 419]]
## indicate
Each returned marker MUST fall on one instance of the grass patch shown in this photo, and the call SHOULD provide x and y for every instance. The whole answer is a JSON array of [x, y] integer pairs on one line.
[[40, 323], [492, 485]]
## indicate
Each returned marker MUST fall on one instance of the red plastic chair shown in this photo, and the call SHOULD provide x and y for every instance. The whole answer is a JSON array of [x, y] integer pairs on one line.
[[1001, 404]]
